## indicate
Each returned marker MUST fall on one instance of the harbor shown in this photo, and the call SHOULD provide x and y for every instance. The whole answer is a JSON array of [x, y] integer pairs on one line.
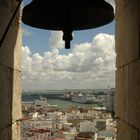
[[76, 96], [51, 119]]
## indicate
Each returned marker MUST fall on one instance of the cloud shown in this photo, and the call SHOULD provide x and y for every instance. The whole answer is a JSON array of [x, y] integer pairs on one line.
[[55, 40], [89, 65]]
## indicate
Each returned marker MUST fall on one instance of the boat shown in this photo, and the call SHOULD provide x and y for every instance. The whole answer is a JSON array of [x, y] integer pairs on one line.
[[65, 96], [83, 98]]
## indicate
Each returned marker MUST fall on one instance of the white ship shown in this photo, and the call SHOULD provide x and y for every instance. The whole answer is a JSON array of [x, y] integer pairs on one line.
[[83, 98]]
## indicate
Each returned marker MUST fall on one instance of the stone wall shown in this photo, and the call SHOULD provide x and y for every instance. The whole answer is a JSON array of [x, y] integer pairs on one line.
[[10, 72], [128, 69]]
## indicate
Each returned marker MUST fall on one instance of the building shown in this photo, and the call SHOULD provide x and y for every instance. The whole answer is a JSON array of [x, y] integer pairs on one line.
[[87, 126], [101, 124], [41, 103], [110, 100]]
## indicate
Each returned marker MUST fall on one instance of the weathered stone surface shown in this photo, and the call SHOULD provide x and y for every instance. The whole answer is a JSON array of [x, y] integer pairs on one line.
[[127, 36], [119, 92], [12, 43], [120, 7], [122, 93], [10, 102], [125, 94], [17, 90], [16, 104], [128, 73], [18, 51], [126, 132], [10, 72], [128, 94], [134, 94], [7, 4], [5, 101]]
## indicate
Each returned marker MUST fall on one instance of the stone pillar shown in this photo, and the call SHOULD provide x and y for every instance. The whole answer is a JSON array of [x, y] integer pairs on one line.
[[128, 69], [10, 72]]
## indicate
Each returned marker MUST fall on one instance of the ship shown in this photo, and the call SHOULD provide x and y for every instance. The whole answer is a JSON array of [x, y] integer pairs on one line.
[[66, 96], [83, 98]]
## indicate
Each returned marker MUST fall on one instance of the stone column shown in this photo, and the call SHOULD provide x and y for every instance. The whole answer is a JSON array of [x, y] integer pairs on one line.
[[10, 72], [128, 69]]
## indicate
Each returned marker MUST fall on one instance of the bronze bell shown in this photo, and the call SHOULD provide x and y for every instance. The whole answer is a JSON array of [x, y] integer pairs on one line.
[[67, 15]]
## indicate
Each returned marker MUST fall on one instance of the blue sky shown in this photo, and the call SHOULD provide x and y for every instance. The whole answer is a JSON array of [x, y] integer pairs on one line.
[[38, 40], [90, 63]]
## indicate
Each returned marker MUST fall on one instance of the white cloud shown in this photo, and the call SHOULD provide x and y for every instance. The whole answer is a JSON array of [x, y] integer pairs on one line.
[[55, 40], [89, 65], [27, 60]]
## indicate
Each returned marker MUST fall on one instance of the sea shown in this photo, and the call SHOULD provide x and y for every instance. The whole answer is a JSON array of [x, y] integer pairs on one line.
[[30, 96]]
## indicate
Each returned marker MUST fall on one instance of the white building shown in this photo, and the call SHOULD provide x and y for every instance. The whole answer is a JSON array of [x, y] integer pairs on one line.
[[36, 129], [87, 126], [67, 125], [54, 115], [41, 103], [110, 99]]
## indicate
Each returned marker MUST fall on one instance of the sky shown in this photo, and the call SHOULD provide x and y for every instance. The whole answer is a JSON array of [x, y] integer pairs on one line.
[[89, 64]]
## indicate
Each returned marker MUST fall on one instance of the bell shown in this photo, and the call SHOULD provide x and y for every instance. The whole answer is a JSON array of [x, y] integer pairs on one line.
[[67, 15]]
